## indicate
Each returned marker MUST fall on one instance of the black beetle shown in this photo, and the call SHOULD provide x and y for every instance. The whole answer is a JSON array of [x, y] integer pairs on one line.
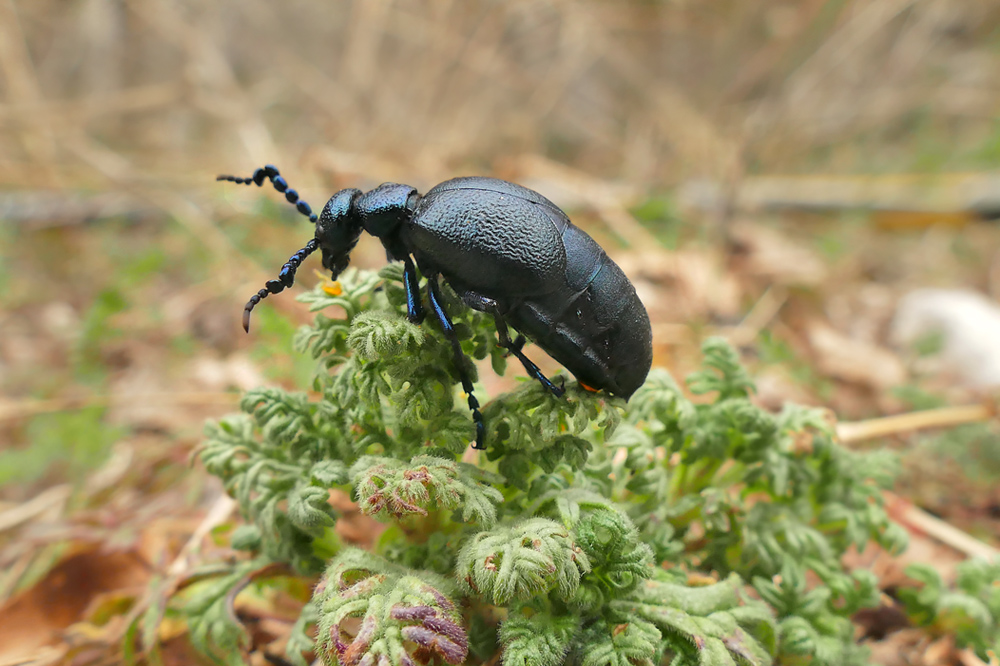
[[505, 250]]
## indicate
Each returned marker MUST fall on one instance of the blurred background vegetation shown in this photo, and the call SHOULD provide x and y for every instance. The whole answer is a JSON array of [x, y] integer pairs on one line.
[[783, 173]]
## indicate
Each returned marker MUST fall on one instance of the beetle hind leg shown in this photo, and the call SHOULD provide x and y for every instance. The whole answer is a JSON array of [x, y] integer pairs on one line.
[[514, 347], [484, 304], [434, 292]]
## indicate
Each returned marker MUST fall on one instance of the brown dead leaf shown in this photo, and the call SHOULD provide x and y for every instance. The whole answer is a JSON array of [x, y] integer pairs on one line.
[[941, 652], [236, 370], [353, 526], [923, 549], [683, 285], [761, 252], [37, 616], [178, 651], [853, 360], [901, 648], [877, 623], [967, 657], [776, 387]]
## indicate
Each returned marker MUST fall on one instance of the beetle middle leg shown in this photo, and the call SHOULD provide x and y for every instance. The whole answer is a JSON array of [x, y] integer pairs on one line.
[[434, 293], [484, 304]]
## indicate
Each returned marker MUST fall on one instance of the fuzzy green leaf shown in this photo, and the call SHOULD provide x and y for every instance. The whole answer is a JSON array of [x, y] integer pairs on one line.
[[299, 641], [213, 628], [619, 560], [521, 561], [532, 637], [631, 642], [378, 334], [309, 508], [584, 507], [405, 616], [389, 488], [329, 473], [698, 621], [723, 372]]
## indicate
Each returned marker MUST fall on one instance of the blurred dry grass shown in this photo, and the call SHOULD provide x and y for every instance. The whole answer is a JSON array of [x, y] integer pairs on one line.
[[159, 94]]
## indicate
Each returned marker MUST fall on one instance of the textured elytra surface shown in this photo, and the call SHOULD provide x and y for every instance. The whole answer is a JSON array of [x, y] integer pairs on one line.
[[499, 243]]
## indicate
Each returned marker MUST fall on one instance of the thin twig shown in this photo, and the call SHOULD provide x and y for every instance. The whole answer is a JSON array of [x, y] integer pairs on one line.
[[915, 518], [23, 86], [51, 498], [19, 409], [80, 110], [761, 314], [943, 417], [218, 514]]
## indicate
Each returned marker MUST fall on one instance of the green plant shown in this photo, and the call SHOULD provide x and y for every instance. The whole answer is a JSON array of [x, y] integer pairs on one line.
[[970, 611], [590, 532]]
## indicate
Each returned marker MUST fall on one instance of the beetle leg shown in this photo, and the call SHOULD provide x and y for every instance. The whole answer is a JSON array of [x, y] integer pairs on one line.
[[518, 344], [434, 292], [485, 304], [414, 309], [514, 347]]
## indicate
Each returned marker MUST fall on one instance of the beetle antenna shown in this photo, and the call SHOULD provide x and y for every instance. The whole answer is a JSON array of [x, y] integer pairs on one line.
[[270, 172], [286, 278]]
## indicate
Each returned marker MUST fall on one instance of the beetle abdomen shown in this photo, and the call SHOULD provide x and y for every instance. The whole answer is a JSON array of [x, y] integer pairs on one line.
[[601, 333], [596, 326]]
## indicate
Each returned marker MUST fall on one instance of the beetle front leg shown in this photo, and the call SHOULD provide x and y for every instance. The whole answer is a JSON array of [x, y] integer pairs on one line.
[[414, 309], [434, 293]]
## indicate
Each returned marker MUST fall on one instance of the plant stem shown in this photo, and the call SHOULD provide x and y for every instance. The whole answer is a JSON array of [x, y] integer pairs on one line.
[[902, 423]]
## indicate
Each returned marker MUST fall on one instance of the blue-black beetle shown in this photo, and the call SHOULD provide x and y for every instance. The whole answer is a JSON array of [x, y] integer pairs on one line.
[[505, 250]]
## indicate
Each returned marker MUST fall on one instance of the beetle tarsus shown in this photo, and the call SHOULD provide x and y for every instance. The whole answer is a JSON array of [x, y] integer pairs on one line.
[[254, 300]]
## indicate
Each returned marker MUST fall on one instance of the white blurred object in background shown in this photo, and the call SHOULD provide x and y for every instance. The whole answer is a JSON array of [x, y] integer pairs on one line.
[[962, 326]]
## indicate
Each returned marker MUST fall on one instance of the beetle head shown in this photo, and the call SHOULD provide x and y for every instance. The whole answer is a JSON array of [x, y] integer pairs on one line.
[[380, 212], [286, 277], [338, 229], [348, 212]]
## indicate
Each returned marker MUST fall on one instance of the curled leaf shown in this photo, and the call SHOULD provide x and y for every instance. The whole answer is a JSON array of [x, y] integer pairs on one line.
[[521, 561], [537, 638], [380, 334], [405, 617], [389, 488]]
